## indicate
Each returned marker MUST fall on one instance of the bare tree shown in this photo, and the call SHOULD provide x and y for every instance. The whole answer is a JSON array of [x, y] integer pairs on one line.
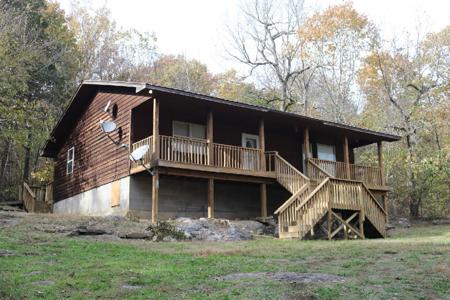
[[266, 41]]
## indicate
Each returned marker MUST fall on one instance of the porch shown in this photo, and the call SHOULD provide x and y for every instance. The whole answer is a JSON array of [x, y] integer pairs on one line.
[[200, 155]]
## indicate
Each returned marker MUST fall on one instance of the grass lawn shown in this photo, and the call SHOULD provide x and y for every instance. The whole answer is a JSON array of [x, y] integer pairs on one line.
[[412, 264]]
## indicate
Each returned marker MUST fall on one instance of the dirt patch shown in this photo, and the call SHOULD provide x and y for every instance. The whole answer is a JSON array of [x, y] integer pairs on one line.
[[290, 277]]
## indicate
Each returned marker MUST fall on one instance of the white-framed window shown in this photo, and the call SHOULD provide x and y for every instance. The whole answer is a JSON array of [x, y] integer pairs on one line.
[[326, 152], [250, 140], [191, 130], [70, 160]]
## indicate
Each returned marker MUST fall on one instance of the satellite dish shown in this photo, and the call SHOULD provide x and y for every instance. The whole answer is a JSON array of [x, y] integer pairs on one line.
[[139, 153], [108, 126]]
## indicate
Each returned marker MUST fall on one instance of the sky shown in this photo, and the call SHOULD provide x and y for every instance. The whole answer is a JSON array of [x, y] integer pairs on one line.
[[198, 28]]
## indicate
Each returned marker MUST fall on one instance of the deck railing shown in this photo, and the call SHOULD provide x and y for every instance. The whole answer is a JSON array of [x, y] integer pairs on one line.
[[197, 151], [371, 176]]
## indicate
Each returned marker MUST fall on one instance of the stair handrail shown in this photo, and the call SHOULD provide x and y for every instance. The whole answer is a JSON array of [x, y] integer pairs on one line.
[[288, 202], [312, 193], [310, 161], [290, 165], [366, 188]]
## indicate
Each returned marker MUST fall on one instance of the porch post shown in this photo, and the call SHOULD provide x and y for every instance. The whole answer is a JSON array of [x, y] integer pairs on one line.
[[346, 158], [210, 198], [306, 148], [210, 136], [380, 162], [155, 195], [262, 145], [263, 196], [155, 144]]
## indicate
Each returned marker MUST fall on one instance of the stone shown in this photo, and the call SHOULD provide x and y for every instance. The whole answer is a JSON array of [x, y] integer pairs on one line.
[[290, 277], [135, 235], [131, 287], [86, 230], [389, 226], [44, 282], [4, 253], [441, 222], [403, 223]]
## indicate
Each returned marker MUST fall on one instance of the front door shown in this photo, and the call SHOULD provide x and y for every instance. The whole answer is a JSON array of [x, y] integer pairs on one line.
[[250, 158], [327, 153]]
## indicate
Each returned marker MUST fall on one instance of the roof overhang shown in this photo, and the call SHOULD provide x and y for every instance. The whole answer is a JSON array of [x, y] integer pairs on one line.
[[87, 89]]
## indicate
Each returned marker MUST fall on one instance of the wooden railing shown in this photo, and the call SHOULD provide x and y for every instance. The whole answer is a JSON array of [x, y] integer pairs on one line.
[[37, 198], [374, 211], [372, 176], [313, 208], [196, 151], [227, 156], [315, 172], [148, 155], [287, 175], [287, 213], [183, 150]]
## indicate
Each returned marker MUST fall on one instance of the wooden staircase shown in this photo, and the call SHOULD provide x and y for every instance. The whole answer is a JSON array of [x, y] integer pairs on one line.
[[326, 206]]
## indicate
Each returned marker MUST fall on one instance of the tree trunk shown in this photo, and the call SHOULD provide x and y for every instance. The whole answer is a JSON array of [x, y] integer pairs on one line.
[[26, 166], [4, 162]]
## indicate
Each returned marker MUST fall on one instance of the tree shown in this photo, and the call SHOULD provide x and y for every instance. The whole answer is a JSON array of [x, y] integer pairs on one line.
[[38, 63], [108, 52], [407, 90], [181, 73], [267, 44], [335, 41]]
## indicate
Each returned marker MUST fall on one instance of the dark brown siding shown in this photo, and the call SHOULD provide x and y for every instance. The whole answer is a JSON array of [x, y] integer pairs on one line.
[[97, 160]]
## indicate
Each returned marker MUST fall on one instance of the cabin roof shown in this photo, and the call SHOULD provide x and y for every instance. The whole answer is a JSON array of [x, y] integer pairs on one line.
[[87, 89]]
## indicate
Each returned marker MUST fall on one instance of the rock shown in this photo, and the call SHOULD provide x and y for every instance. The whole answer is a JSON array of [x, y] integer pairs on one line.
[[4, 253], [402, 223], [131, 287], [290, 277], [85, 230], [389, 226], [441, 222], [44, 282], [136, 235]]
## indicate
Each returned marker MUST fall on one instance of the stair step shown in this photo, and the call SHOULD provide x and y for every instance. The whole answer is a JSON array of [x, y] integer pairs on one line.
[[293, 228], [288, 235]]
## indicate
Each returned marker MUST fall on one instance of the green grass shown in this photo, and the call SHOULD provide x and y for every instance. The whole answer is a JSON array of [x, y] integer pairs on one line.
[[413, 264]]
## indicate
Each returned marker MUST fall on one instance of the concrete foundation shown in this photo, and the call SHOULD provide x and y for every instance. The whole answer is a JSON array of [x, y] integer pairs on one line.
[[97, 201], [178, 197]]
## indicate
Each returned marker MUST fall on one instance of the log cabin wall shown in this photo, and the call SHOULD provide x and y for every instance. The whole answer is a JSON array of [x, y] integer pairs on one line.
[[97, 160]]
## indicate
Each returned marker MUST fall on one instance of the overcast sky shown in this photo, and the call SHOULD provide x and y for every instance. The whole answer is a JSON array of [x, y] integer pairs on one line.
[[196, 28]]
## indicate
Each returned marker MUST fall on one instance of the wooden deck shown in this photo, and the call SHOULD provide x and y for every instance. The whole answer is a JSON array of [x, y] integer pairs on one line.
[[335, 198]]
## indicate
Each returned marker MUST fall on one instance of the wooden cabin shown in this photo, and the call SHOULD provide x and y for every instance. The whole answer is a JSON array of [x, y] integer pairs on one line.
[[214, 158]]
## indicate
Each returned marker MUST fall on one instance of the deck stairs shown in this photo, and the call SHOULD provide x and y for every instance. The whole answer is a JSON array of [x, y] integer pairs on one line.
[[325, 207]]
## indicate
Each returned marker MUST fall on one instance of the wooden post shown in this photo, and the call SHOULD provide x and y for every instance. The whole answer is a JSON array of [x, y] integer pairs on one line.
[[155, 195], [346, 158], [385, 206], [306, 148], [263, 194], [380, 162], [210, 198], [262, 145], [155, 130], [210, 136], [362, 213]]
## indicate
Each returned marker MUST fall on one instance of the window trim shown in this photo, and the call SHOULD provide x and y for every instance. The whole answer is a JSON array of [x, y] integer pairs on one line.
[[189, 129], [70, 160]]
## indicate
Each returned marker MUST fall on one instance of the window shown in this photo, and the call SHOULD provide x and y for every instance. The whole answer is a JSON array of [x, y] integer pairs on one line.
[[196, 131], [70, 160], [326, 152], [250, 141]]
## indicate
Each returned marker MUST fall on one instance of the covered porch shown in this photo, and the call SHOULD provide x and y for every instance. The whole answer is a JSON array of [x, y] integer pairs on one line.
[[219, 142]]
